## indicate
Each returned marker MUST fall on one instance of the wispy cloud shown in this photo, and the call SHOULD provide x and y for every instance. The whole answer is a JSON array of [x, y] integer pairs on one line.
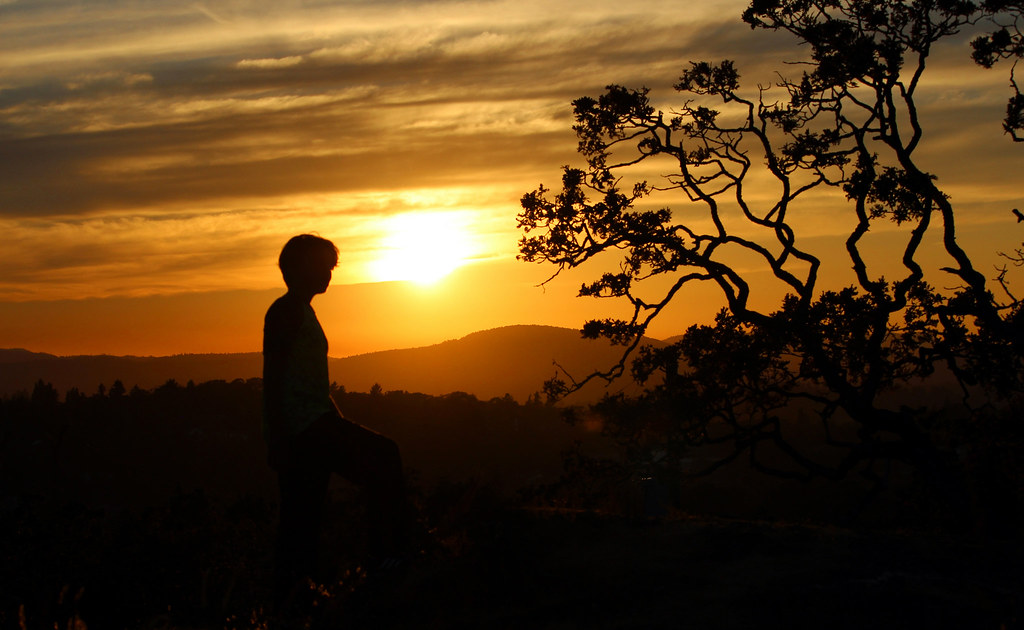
[[200, 132], [187, 248]]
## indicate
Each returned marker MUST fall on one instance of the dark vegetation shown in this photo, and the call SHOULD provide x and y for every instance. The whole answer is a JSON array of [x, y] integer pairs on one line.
[[160, 502], [132, 508]]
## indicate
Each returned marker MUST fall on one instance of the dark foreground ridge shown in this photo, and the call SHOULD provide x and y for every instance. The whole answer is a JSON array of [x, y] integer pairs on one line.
[[591, 571], [155, 509], [488, 566]]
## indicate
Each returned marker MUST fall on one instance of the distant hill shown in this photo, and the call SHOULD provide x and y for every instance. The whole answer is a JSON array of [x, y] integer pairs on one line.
[[512, 360], [18, 355]]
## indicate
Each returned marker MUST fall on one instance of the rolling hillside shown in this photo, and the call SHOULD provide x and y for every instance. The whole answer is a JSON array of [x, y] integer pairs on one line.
[[512, 360]]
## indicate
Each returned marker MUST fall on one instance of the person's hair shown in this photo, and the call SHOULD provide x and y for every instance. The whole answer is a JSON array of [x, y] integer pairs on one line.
[[305, 254]]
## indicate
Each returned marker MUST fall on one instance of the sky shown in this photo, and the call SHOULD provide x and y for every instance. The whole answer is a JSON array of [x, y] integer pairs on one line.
[[155, 156]]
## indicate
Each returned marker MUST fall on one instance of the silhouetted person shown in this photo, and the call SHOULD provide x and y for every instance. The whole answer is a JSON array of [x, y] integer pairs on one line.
[[307, 436]]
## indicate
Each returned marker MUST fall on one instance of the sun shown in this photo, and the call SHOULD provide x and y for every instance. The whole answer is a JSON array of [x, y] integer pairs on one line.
[[422, 247]]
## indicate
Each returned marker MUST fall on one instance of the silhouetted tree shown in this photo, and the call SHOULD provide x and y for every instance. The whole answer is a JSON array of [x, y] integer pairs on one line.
[[749, 166], [74, 398], [44, 395], [117, 390], [1006, 41]]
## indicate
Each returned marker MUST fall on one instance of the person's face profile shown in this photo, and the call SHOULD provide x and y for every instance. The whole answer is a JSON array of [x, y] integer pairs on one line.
[[320, 273], [322, 280]]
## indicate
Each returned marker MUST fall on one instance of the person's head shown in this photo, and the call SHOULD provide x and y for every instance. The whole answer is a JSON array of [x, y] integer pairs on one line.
[[306, 262]]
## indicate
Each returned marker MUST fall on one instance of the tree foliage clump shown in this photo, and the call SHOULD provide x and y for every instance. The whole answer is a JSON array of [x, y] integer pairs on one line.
[[752, 166], [1005, 41]]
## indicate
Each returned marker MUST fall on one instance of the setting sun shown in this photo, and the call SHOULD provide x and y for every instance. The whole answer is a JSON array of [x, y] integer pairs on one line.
[[422, 247]]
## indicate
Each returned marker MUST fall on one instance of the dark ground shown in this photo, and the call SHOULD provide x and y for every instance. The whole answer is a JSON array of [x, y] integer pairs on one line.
[[561, 571], [156, 510], [489, 566]]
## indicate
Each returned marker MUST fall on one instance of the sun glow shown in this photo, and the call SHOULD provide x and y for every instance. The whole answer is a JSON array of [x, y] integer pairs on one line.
[[422, 247]]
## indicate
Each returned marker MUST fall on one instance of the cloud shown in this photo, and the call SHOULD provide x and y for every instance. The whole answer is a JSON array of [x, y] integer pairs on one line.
[[188, 248], [283, 62], [127, 123]]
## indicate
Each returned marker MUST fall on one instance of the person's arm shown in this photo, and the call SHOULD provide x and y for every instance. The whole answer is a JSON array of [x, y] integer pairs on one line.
[[273, 377], [279, 332]]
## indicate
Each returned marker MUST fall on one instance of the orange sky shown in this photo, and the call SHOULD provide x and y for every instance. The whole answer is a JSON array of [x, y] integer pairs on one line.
[[156, 157]]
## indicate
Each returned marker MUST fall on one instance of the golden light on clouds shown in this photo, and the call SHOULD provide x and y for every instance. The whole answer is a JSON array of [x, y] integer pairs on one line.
[[161, 152]]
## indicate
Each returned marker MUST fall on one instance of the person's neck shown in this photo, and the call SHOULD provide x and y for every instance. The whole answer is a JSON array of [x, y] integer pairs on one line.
[[306, 297]]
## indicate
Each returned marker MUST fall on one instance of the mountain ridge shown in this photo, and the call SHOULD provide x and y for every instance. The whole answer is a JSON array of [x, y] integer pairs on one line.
[[513, 360]]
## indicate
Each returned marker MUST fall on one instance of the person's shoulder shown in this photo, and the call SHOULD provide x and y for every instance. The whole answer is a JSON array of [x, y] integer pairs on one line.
[[284, 314]]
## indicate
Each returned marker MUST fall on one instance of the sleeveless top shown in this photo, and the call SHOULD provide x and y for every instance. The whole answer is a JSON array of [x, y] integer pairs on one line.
[[293, 337]]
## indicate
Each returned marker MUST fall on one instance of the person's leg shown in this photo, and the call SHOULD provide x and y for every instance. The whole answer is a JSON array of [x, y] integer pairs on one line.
[[303, 488], [373, 462]]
